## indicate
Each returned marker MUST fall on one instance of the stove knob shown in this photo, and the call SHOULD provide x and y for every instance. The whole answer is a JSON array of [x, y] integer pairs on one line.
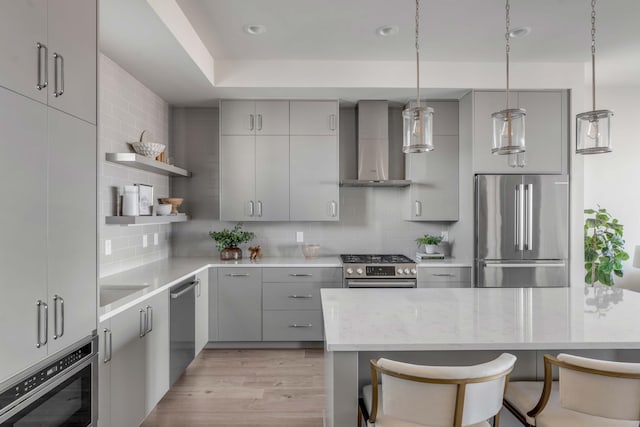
[[349, 270], [413, 271], [359, 271], [399, 271], [406, 271]]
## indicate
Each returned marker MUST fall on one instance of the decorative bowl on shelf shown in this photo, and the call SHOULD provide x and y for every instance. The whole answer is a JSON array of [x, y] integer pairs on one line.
[[163, 209], [175, 202], [148, 149], [310, 250]]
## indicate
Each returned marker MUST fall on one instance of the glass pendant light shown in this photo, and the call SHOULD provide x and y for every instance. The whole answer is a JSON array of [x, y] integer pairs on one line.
[[418, 120], [508, 124], [593, 128]]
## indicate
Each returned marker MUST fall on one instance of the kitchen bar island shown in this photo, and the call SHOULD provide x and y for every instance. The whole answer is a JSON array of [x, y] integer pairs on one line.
[[466, 326]]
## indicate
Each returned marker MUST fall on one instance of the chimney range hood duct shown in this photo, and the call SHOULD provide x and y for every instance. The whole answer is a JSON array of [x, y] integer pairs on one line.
[[373, 147]]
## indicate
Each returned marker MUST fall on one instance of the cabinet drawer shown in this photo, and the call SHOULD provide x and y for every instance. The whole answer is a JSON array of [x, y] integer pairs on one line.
[[292, 325], [292, 296], [301, 274], [433, 284], [444, 274], [239, 275]]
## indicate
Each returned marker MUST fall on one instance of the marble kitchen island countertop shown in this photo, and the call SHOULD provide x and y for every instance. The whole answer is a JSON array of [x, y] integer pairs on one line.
[[160, 275], [480, 319]]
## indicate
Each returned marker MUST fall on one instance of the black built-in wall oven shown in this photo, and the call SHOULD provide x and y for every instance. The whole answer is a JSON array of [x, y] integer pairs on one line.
[[60, 391]]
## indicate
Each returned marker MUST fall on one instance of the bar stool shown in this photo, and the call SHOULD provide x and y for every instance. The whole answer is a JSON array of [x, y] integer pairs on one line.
[[589, 392], [417, 395]]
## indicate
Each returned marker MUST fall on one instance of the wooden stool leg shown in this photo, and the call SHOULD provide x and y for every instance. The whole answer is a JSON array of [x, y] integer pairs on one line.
[[359, 416]]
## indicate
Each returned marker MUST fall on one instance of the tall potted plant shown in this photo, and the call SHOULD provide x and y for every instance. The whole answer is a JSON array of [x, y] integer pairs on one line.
[[603, 247], [227, 241]]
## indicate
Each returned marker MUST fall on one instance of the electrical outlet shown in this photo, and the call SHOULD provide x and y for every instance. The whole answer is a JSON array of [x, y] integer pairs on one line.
[[155, 239], [107, 247], [145, 241], [299, 237], [445, 236]]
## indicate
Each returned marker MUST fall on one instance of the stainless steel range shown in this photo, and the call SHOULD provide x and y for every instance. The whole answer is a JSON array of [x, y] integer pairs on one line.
[[378, 271]]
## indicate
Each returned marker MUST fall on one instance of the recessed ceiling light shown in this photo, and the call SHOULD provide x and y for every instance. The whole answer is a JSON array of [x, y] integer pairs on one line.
[[255, 29], [387, 30], [520, 32]]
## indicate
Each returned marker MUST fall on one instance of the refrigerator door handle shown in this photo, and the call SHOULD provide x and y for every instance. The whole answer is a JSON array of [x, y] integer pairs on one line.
[[516, 214], [529, 193], [520, 216]]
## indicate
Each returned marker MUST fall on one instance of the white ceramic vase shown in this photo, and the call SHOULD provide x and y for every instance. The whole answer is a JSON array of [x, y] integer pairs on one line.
[[430, 249]]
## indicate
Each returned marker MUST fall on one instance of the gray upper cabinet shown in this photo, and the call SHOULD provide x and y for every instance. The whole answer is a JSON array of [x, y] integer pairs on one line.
[[254, 117], [314, 118], [239, 304], [272, 178], [237, 178], [546, 131], [49, 53], [314, 185], [433, 193]]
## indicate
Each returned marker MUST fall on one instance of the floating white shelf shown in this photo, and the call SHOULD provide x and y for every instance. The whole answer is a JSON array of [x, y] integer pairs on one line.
[[138, 161], [144, 220]]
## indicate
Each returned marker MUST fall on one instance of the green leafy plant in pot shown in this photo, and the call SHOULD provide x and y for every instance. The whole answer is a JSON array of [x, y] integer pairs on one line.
[[227, 241], [430, 243], [603, 247]]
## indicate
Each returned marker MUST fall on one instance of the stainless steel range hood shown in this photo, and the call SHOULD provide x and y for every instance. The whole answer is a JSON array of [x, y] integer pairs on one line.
[[373, 147]]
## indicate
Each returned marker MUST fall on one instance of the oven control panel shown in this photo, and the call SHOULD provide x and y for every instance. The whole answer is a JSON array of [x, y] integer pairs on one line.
[[36, 379], [380, 271]]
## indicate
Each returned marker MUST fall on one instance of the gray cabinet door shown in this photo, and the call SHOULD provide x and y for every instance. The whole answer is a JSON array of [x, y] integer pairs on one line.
[[72, 31], [239, 304], [272, 118], [71, 246], [485, 104], [237, 178], [104, 375], [314, 191], [314, 118], [213, 304], [272, 178], [128, 369], [237, 118], [157, 349], [546, 152], [433, 194], [202, 310], [23, 167], [22, 25]]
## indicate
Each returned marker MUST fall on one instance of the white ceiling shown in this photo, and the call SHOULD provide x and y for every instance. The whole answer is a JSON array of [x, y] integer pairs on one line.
[[452, 31]]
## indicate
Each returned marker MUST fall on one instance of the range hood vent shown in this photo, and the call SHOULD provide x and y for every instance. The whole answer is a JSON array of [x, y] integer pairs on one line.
[[373, 147]]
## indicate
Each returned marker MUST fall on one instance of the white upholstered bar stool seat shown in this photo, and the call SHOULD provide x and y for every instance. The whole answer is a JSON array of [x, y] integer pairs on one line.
[[434, 396], [589, 393]]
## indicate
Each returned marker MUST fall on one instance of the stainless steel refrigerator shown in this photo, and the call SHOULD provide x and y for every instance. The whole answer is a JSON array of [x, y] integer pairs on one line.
[[521, 231]]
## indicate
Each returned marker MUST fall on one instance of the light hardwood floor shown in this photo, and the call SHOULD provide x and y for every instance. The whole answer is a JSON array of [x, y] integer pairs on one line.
[[278, 388]]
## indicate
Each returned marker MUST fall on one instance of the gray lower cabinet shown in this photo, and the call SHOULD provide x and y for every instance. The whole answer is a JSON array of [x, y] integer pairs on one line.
[[202, 310], [292, 325], [134, 362], [444, 277], [239, 304]]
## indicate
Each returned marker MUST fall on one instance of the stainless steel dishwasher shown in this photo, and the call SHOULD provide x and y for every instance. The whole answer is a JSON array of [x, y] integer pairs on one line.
[[182, 333]]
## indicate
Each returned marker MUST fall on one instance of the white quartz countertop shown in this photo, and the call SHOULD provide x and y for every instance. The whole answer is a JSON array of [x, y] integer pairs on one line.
[[480, 319], [161, 275]]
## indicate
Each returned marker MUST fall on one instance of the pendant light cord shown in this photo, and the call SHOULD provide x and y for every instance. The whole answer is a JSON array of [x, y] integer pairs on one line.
[[508, 46], [418, 53], [593, 53]]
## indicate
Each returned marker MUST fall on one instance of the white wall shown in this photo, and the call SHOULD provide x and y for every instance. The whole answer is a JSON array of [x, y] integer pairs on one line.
[[611, 180]]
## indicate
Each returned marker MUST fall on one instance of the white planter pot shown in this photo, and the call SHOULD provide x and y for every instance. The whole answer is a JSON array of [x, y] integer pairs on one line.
[[430, 249]]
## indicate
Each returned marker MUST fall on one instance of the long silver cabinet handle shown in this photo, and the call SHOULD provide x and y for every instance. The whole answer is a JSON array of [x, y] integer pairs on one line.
[[58, 300], [332, 122], [148, 320], [529, 193], [300, 296], [251, 210], [237, 274], [301, 275], [418, 207], [184, 290], [259, 122], [251, 122], [443, 275], [259, 210], [40, 48], [58, 90], [107, 332], [295, 325], [39, 306], [198, 288], [334, 208], [143, 322]]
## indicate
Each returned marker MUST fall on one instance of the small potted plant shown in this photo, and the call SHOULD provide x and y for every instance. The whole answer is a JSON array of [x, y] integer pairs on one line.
[[227, 241], [603, 247], [430, 243]]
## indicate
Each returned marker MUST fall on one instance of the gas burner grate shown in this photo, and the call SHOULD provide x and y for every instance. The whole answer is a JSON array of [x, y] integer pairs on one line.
[[376, 259]]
